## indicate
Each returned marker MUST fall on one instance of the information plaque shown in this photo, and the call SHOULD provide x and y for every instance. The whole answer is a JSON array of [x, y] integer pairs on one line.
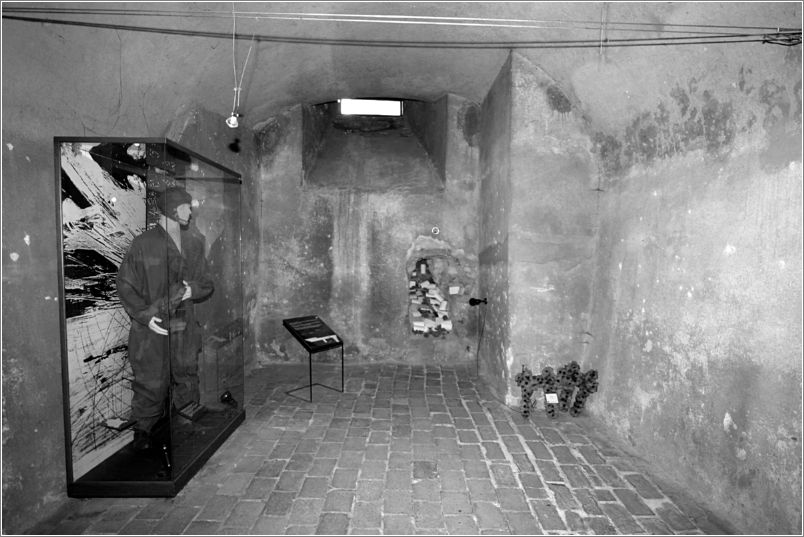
[[315, 336]]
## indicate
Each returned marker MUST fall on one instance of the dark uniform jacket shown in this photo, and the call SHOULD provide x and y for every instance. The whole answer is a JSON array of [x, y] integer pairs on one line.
[[151, 274], [149, 283]]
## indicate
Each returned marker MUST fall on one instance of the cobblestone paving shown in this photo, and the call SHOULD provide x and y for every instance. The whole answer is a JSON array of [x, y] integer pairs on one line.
[[403, 450]]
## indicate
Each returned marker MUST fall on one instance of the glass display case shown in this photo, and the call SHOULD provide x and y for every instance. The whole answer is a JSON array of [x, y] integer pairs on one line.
[[152, 313]]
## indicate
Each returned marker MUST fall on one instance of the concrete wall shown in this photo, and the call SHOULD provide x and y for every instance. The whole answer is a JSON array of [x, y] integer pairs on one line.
[[551, 245], [696, 323], [33, 441], [698, 302], [494, 220], [661, 247], [697, 317], [340, 252], [537, 216], [429, 122]]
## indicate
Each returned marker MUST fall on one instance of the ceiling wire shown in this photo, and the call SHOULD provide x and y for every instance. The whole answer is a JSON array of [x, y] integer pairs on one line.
[[234, 35], [783, 36], [498, 23], [403, 19], [496, 20], [238, 84]]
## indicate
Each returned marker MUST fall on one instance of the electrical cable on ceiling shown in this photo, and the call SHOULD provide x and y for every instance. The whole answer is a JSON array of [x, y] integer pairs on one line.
[[475, 20], [778, 36], [407, 19], [501, 23]]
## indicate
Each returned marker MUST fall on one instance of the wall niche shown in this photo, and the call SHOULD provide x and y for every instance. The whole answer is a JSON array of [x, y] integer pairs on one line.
[[439, 281]]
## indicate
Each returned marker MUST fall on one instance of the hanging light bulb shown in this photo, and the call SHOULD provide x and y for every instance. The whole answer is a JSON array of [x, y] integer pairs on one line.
[[232, 121]]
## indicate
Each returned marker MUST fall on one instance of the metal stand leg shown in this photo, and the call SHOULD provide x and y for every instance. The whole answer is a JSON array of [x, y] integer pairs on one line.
[[310, 379]]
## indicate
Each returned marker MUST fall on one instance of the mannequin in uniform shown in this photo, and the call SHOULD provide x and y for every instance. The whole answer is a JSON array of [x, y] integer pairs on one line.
[[162, 275]]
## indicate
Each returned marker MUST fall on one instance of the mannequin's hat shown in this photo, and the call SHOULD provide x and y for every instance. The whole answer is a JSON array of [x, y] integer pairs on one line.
[[171, 198]]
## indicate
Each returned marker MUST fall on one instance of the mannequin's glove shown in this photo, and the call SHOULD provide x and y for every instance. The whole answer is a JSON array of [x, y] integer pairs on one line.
[[152, 324], [188, 291]]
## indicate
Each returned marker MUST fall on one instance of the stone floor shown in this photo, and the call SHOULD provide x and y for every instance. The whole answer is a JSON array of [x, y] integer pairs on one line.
[[403, 450]]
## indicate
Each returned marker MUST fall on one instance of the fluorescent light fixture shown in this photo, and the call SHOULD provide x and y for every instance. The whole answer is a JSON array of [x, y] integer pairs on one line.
[[370, 107]]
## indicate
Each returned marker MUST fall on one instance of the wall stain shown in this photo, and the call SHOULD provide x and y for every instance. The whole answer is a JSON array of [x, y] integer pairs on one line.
[[608, 149], [784, 143], [741, 80], [699, 119], [718, 121], [558, 101], [682, 98], [746, 478], [690, 121], [494, 253], [469, 123], [271, 136], [777, 107]]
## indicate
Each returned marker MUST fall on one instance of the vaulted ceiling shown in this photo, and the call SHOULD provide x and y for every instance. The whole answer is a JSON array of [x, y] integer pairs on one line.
[[160, 56]]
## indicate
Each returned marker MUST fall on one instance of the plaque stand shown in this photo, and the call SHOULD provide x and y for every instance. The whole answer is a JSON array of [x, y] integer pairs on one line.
[[315, 336]]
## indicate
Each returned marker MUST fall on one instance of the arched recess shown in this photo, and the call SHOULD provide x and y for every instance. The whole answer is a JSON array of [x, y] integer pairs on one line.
[[440, 280]]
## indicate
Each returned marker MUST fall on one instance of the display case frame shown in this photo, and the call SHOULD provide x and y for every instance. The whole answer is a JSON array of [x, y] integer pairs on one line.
[[115, 202]]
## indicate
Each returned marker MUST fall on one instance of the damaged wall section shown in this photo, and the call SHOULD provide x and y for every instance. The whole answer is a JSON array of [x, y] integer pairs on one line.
[[429, 309], [437, 284]]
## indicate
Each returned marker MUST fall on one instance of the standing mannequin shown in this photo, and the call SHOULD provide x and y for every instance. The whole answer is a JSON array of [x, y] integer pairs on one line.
[[160, 278]]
